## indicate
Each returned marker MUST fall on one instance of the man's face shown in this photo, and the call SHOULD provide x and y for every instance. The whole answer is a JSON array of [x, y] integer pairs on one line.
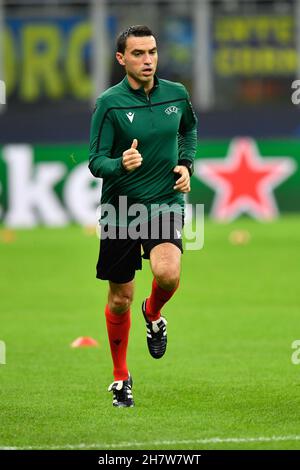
[[139, 58]]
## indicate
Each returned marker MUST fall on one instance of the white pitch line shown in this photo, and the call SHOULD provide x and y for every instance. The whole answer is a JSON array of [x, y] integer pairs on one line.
[[212, 440]]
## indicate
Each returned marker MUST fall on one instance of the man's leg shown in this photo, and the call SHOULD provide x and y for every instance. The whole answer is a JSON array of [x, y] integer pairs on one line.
[[165, 265], [117, 262], [117, 312]]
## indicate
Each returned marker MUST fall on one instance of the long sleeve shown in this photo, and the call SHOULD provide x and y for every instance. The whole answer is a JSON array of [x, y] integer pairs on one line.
[[187, 136], [101, 161]]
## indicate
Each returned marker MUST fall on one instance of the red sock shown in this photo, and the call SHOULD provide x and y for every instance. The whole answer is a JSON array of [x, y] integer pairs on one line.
[[157, 300], [118, 327]]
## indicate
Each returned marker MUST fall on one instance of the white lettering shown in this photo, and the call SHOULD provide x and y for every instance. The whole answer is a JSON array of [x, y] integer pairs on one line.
[[2, 92], [2, 352], [296, 94], [109, 460], [80, 197], [31, 196], [195, 238], [296, 354]]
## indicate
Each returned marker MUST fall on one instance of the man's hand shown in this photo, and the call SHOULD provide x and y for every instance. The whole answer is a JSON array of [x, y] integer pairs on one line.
[[132, 159], [183, 183]]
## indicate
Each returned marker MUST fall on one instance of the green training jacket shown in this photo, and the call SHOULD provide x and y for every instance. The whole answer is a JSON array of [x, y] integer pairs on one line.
[[165, 126]]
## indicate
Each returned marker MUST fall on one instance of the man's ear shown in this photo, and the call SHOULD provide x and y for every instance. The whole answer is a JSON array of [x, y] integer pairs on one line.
[[120, 58]]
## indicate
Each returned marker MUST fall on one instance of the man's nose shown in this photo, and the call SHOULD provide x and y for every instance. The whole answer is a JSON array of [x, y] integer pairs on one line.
[[147, 59]]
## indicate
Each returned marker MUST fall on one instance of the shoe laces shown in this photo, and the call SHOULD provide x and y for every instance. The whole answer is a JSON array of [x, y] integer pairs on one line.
[[159, 324], [116, 386], [121, 388]]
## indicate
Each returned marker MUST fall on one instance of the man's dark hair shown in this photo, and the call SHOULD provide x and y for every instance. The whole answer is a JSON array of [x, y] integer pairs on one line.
[[138, 31]]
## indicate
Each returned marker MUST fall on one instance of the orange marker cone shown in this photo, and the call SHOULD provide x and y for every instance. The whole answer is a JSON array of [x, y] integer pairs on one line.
[[239, 237], [84, 341], [89, 230], [7, 235]]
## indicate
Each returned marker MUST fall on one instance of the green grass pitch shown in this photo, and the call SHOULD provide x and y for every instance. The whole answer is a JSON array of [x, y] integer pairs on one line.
[[226, 382]]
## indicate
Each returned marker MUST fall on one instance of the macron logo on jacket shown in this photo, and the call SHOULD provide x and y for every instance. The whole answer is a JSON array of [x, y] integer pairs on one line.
[[130, 116]]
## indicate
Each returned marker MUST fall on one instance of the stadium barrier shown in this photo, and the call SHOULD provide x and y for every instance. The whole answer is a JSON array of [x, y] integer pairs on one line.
[[51, 184]]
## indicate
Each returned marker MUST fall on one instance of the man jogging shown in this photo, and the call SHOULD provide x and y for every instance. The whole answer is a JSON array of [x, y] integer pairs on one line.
[[142, 143]]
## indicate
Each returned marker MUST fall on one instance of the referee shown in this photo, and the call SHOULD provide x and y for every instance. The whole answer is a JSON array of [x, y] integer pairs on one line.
[[142, 144]]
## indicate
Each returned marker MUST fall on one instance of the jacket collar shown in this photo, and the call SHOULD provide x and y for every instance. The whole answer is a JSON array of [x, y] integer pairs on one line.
[[140, 90]]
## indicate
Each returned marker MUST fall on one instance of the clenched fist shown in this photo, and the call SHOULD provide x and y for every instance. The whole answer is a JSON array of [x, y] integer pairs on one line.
[[131, 158], [183, 184]]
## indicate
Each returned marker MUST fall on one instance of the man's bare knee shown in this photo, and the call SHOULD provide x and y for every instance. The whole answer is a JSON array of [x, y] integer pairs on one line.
[[119, 303], [167, 279], [165, 264], [120, 297]]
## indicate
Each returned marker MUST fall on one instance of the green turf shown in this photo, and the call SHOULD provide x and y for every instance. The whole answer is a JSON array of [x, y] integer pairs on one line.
[[227, 372]]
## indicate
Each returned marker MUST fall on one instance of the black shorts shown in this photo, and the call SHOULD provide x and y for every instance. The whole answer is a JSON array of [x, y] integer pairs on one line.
[[121, 255]]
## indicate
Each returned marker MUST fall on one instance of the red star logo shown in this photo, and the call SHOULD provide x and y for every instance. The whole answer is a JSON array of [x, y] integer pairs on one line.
[[244, 181]]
